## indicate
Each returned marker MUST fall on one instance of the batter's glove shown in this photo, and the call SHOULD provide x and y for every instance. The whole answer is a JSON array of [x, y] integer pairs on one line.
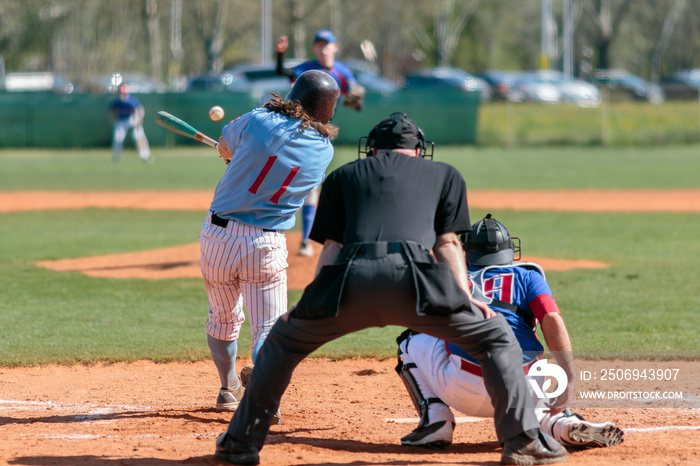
[[355, 97], [224, 152]]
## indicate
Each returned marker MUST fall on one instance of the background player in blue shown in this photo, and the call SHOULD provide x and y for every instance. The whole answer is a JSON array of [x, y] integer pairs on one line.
[[128, 114], [445, 376], [325, 48], [275, 154]]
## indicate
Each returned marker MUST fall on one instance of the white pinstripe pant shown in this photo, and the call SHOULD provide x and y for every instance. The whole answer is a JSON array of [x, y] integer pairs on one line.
[[243, 265]]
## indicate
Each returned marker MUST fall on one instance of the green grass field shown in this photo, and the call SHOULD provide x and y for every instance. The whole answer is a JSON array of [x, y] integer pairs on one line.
[[646, 301], [616, 123]]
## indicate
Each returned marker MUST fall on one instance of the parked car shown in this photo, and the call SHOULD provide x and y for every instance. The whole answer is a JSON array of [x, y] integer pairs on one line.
[[502, 85], [531, 88], [210, 82], [38, 82], [258, 78], [368, 75], [261, 80], [682, 84], [374, 82], [255, 77], [572, 91], [623, 84], [139, 83], [448, 78]]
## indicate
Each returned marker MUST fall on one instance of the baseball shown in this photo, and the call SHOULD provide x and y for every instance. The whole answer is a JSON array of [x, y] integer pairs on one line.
[[216, 113]]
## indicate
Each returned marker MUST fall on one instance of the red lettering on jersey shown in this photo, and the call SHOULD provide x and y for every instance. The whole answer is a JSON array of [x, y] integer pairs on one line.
[[263, 173], [499, 287], [292, 173]]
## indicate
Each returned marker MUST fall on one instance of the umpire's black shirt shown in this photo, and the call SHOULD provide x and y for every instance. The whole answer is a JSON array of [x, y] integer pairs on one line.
[[391, 197]]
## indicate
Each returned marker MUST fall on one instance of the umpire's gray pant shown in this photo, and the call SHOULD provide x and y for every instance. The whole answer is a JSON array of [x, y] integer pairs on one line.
[[380, 292]]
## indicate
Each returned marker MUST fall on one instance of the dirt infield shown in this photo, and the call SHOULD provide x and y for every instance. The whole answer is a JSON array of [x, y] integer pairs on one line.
[[334, 412], [561, 201]]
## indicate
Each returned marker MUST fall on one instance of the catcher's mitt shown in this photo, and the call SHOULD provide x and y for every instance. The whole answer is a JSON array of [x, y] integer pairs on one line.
[[355, 97]]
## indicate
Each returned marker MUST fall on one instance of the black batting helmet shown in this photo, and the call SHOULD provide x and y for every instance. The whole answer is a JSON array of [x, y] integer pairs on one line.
[[489, 243], [396, 132], [317, 92]]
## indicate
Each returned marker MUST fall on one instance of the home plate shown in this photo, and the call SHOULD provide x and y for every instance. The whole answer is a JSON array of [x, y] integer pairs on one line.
[[407, 420]]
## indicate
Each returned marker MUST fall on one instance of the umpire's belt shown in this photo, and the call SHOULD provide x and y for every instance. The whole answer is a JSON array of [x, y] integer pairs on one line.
[[375, 250], [223, 222], [381, 249]]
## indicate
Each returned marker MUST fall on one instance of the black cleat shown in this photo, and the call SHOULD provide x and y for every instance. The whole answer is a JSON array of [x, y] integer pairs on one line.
[[234, 452], [436, 435], [524, 451]]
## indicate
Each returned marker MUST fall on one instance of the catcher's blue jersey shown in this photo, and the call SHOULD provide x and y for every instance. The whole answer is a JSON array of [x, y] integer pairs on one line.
[[517, 284], [274, 166]]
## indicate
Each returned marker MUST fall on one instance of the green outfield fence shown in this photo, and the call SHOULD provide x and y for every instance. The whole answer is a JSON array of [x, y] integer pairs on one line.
[[83, 120]]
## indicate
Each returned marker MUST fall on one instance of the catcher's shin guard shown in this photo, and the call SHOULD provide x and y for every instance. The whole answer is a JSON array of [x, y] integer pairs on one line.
[[435, 435]]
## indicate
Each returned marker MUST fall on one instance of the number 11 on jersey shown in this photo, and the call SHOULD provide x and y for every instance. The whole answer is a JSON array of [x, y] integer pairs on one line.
[[264, 172]]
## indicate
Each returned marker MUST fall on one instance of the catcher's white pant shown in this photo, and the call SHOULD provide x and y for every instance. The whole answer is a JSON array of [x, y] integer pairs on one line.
[[440, 375], [120, 129], [243, 265]]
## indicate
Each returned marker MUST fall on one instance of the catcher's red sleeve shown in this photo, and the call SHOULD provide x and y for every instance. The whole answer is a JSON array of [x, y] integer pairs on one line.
[[543, 304]]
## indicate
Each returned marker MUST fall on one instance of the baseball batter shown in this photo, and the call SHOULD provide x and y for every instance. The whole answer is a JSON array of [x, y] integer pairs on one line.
[[442, 375], [325, 48], [128, 114], [276, 154]]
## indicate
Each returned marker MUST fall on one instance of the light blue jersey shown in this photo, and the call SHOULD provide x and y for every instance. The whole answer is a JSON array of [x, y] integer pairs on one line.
[[274, 166]]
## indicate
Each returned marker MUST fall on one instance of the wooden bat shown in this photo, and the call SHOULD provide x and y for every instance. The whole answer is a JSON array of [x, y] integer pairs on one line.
[[176, 125]]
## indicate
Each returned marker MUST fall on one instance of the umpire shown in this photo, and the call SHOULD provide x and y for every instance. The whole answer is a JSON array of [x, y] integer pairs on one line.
[[378, 218]]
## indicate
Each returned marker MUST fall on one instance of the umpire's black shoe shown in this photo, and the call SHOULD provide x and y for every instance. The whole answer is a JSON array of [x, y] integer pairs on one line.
[[234, 452], [523, 450]]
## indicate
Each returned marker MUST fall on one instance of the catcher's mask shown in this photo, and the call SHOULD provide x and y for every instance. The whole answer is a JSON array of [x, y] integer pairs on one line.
[[489, 243], [317, 92], [396, 132]]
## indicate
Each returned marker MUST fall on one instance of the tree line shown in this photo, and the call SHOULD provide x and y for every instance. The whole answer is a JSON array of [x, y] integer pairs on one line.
[[167, 39]]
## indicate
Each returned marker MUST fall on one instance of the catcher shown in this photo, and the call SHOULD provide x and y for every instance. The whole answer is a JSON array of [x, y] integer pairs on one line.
[[440, 375]]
